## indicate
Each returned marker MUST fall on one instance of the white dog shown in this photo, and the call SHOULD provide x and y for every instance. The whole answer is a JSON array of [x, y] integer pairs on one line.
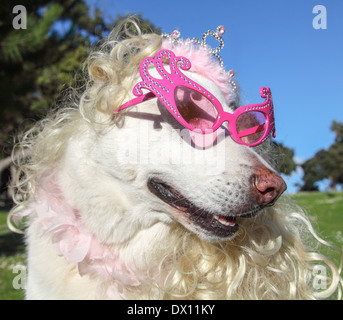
[[132, 205]]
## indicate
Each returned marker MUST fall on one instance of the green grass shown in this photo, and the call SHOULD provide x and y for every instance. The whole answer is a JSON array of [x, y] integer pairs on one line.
[[11, 277], [11, 256], [326, 213], [324, 209], [3, 218]]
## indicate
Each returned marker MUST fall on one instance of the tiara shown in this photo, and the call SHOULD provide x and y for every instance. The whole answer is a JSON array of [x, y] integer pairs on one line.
[[174, 37]]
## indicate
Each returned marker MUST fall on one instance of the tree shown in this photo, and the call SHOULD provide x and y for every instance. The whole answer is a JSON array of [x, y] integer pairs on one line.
[[40, 62], [326, 163], [313, 171], [43, 60], [334, 161], [285, 158]]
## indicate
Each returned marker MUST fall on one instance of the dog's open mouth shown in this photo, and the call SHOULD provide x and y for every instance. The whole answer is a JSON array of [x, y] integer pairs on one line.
[[216, 225]]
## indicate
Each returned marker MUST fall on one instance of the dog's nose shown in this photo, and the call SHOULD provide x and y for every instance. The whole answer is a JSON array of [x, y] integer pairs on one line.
[[268, 186]]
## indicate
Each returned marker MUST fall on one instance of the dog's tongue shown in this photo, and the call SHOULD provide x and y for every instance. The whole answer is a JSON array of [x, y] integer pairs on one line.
[[205, 140], [226, 221]]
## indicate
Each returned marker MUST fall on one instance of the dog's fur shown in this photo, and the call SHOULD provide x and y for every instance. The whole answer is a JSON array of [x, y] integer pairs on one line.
[[99, 168]]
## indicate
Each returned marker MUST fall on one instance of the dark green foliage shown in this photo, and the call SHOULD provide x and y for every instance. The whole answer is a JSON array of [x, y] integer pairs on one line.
[[285, 158], [326, 163], [39, 63]]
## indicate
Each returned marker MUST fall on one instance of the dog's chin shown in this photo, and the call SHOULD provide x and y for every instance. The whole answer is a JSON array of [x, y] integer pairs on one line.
[[207, 225]]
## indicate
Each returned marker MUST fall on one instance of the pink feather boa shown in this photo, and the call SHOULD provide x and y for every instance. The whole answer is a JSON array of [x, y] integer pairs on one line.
[[55, 217]]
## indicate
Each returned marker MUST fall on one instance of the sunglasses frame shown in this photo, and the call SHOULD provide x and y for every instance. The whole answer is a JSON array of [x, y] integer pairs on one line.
[[164, 89]]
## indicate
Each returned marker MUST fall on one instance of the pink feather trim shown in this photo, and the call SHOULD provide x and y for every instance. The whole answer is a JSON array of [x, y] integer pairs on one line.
[[57, 218]]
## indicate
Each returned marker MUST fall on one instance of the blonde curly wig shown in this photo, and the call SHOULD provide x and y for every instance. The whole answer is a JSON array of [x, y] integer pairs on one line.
[[272, 257]]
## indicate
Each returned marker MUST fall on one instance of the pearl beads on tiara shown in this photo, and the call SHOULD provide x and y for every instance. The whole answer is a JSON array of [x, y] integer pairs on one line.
[[175, 38]]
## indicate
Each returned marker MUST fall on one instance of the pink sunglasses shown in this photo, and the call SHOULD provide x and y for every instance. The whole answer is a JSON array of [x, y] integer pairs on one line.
[[196, 108]]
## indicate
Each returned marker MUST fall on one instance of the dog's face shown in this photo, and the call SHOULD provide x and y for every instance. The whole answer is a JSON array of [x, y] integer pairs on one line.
[[166, 174]]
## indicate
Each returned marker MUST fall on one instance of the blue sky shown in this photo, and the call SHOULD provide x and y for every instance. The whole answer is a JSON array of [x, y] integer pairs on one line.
[[268, 43]]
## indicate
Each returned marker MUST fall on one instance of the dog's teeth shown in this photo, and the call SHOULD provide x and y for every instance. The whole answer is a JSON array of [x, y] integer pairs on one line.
[[225, 222]]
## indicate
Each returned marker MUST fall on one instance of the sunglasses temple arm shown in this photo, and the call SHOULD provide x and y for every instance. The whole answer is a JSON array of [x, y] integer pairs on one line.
[[137, 100], [252, 130]]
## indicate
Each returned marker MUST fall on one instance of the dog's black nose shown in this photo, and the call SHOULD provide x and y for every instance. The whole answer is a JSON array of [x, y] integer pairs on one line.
[[268, 186]]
